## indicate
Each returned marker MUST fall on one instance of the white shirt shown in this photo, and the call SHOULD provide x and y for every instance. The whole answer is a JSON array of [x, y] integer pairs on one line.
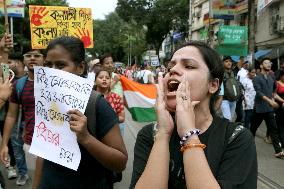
[[144, 74], [91, 76], [242, 74], [249, 93]]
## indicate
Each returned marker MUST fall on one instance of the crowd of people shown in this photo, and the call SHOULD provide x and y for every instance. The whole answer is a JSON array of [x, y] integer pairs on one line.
[[253, 97], [196, 142]]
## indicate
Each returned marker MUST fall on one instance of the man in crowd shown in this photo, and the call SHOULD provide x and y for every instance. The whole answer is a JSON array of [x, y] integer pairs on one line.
[[231, 90], [25, 100], [264, 85]]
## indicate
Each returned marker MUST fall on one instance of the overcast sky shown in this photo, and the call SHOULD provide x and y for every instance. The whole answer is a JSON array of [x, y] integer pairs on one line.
[[100, 8]]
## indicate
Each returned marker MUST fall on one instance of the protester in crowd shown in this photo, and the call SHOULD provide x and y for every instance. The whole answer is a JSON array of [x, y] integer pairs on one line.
[[243, 71], [15, 142], [264, 85], [212, 147], [145, 76], [25, 100], [107, 62], [103, 80], [280, 110], [16, 64], [104, 151], [231, 90], [131, 72], [5, 92], [249, 96], [5, 46], [238, 66]]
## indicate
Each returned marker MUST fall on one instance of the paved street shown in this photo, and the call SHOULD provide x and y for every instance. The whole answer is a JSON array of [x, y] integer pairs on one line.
[[270, 169]]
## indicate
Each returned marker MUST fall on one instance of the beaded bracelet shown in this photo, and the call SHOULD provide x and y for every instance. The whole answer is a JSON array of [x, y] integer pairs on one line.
[[188, 135], [194, 145]]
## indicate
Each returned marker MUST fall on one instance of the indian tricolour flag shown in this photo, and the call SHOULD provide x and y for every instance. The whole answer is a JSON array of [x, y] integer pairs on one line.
[[141, 99]]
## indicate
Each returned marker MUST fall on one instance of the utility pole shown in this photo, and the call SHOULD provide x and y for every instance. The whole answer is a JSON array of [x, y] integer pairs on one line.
[[190, 20], [251, 27]]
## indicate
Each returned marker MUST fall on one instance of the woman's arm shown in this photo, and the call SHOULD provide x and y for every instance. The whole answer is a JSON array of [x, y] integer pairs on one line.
[[38, 172], [121, 116], [156, 173], [110, 152], [5, 91], [114, 80], [107, 146], [198, 174], [197, 171]]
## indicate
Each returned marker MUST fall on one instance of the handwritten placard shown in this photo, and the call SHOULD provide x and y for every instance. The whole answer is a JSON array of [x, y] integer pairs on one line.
[[57, 92], [49, 22]]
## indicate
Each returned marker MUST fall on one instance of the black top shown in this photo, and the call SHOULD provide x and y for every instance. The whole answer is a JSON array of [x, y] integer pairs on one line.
[[264, 85], [232, 161], [90, 172]]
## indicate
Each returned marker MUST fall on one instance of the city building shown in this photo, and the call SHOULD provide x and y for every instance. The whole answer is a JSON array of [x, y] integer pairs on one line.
[[270, 29], [204, 28]]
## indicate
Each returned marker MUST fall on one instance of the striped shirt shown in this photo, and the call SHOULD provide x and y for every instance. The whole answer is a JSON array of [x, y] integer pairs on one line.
[[28, 105]]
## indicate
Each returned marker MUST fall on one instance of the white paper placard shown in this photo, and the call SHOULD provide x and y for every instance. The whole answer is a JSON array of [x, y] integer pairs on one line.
[[57, 92]]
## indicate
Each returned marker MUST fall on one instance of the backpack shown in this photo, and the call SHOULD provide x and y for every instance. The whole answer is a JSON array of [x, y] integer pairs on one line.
[[20, 86], [90, 113], [140, 79], [232, 87]]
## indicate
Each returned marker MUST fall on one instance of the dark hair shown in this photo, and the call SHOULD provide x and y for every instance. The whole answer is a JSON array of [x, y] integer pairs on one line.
[[227, 58], [214, 64], [143, 66], [74, 46], [265, 58], [281, 73], [27, 47], [101, 70], [15, 56], [250, 68], [104, 56]]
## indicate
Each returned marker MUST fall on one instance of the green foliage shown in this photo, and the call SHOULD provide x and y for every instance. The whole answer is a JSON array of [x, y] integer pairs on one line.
[[160, 17], [115, 36]]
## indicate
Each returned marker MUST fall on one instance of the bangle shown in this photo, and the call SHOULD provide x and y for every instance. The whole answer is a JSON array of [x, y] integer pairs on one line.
[[188, 135], [194, 145]]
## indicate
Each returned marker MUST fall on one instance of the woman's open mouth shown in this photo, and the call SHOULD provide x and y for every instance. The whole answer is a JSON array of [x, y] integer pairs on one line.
[[172, 86]]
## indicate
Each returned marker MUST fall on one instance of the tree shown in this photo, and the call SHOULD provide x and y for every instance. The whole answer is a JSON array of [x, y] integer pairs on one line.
[[159, 16], [115, 36]]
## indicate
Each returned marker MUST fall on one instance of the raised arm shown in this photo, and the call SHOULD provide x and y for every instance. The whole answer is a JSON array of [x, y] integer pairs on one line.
[[156, 173], [107, 147]]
